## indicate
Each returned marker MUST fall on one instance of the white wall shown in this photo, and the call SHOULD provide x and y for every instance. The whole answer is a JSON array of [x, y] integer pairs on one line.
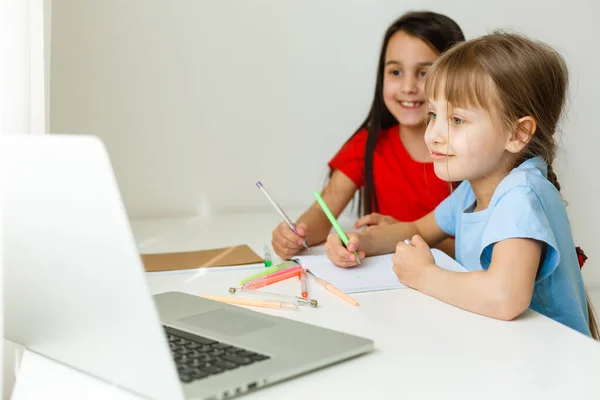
[[23, 96], [22, 66], [197, 100]]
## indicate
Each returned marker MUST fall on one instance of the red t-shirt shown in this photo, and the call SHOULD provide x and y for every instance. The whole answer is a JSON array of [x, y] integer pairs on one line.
[[406, 189]]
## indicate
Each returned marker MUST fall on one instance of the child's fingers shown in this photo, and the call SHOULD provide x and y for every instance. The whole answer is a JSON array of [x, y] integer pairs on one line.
[[301, 228], [418, 241], [338, 251], [283, 251], [335, 250], [347, 264], [342, 259], [401, 246], [284, 243], [280, 251], [287, 237], [282, 246], [339, 254], [353, 243], [371, 219], [349, 259]]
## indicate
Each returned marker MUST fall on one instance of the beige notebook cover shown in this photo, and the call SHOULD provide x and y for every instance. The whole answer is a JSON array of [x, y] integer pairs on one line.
[[234, 255]]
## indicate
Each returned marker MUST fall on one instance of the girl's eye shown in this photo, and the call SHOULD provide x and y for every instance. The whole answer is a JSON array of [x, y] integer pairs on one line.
[[422, 74], [457, 121], [431, 116], [395, 72]]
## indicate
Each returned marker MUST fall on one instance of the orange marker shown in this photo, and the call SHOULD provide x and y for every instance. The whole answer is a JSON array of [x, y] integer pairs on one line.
[[303, 278], [332, 289], [270, 279], [296, 268]]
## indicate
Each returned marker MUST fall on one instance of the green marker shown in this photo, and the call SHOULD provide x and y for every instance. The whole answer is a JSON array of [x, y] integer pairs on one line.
[[268, 271], [267, 256], [334, 222]]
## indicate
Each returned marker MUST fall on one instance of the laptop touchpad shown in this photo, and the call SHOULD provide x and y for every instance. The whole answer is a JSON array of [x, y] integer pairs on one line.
[[227, 322]]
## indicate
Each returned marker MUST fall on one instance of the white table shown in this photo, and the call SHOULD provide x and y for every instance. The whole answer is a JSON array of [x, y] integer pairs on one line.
[[424, 348]]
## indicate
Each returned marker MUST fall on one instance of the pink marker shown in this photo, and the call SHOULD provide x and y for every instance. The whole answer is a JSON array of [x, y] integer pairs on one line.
[[273, 278], [290, 269]]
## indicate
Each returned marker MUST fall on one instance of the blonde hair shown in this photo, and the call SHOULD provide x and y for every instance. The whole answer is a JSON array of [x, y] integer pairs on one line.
[[514, 77]]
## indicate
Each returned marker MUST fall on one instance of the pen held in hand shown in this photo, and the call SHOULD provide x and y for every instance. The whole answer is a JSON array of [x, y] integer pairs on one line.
[[334, 223], [282, 213]]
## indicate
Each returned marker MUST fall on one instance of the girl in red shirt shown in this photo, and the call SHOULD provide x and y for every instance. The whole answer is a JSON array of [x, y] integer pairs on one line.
[[386, 159]]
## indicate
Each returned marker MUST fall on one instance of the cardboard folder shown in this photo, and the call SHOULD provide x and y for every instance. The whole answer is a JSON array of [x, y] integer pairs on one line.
[[226, 256]]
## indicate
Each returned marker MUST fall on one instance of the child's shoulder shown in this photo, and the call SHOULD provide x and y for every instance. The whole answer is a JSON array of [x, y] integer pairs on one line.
[[531, 174]]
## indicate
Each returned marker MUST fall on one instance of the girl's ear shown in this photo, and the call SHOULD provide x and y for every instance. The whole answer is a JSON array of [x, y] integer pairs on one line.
[[524, 131]]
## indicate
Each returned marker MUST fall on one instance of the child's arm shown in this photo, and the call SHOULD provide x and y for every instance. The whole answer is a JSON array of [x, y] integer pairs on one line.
[[375, 221], [503, 291], [448, 246], [313, 223], [382, 240]]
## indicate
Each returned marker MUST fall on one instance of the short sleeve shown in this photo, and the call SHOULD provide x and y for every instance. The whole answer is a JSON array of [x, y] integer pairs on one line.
[[350, 159], [520, 214], [447, 211]]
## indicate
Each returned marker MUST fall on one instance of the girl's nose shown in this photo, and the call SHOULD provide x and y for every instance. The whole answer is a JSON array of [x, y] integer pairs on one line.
[[409, 85], [436, 132]]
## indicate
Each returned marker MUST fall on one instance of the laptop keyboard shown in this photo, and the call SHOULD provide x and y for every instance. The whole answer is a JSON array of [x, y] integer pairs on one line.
[[198, 357]]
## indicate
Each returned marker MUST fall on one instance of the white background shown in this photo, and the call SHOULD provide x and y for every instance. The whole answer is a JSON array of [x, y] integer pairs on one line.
[[197, 100]]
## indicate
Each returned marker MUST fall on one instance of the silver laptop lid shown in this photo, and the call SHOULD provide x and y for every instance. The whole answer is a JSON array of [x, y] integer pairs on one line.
[[74, 285]]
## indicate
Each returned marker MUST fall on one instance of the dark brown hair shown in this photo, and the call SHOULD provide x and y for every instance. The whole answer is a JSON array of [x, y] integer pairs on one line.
[[438, 31]]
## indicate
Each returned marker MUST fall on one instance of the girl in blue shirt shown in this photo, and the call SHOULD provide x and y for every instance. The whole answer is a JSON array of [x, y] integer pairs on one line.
[[494, 104]]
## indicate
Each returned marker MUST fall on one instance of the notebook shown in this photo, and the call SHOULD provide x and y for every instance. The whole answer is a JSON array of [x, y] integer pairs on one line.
[[188, 260], [375, 273]]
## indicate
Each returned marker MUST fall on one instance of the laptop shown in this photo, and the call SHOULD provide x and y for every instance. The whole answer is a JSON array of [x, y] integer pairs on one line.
[[75, 290]]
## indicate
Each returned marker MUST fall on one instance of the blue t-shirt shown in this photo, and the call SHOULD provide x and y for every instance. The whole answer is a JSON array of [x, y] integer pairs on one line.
[[524, 205]]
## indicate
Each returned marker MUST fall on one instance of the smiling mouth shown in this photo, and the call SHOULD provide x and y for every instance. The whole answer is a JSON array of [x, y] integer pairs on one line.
[[411, 104]]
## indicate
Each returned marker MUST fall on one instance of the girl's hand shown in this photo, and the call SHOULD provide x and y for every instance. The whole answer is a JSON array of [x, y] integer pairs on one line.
[[374, 221], [411, 261], [340, 255], [285, 242]]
